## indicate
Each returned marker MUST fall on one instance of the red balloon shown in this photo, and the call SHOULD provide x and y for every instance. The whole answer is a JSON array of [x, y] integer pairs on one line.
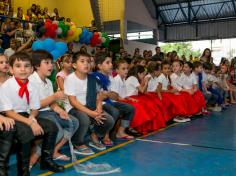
[[54, 26], [47, 25]]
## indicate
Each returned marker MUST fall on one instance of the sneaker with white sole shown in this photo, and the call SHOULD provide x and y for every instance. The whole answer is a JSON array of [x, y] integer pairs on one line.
[[179, 120], [85, 151], [98, 145], [187, 119]]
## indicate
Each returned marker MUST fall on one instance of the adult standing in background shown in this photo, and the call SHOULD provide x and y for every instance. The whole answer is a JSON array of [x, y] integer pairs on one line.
[[159, 56]]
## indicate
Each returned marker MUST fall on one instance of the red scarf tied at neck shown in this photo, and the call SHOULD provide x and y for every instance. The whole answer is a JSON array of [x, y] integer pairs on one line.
[[23, 89]]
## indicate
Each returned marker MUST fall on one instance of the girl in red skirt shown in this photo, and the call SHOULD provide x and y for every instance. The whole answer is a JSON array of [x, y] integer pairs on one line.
[[170, 96], [147, 116], [154, 70], [176, 83], [189, 84]]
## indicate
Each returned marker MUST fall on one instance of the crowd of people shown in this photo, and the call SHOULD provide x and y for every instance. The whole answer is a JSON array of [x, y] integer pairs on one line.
[[101, 95]]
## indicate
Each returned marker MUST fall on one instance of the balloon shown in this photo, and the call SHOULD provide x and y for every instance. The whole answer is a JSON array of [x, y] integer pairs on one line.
[[70, 33], [103, 39], [73, 27], [53, 26], [61, 47], [49, 44], [55, 22], [55, 54], [37, 45], [47, 24], [59, 31]]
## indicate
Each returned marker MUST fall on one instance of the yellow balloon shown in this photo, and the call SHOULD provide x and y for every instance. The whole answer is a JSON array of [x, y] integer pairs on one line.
[[73, 27]]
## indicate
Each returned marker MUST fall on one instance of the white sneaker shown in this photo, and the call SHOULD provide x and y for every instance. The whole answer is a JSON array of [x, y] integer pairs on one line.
[[217, 109], [179, 120], [187, 119]]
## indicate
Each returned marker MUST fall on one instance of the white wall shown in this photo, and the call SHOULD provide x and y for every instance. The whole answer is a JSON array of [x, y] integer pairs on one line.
[[142, 46], [136, 11]]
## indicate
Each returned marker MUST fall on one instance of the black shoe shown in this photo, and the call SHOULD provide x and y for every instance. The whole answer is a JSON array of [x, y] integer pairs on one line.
[[49, 140], [133, 132], [51, 166], [23, 159], [6, 139]]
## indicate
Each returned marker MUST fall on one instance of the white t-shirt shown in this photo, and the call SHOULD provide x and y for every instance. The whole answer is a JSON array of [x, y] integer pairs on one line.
[[152, 83], [176, 81], [45, 89], [188, 81], [73, 86], [132, 85], [162, 79], [118, 85], [9, 52], [213, 79], [12, 101]]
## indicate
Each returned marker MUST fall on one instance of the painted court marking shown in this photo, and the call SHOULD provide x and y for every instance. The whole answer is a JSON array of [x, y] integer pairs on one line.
[[107, 150], [184, 144]]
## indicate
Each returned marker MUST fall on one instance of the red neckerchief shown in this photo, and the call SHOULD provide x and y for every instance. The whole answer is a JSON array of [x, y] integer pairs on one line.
[[23, 89]]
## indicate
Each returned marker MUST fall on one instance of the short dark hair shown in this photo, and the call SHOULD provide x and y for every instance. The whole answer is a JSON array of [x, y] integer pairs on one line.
[[157, 47], [165, 62], [197, 64], [39, 55], [153, 66], [122, 61], [181, 63], [77, 55], [20, 56], [189, 64], [135, 70], [207, 66], [101, 57]]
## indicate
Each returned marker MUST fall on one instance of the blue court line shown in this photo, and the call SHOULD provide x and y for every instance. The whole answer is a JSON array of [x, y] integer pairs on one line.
[[107, 150]]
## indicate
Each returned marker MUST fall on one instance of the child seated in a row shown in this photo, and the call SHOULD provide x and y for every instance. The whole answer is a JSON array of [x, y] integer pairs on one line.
[[49, 109], [145, 119], [85, 97], [20, 101], [115, 108]]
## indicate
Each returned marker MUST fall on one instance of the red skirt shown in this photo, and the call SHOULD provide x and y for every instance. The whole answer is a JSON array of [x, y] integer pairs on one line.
[[190, 103], [200, 100], [147, 116], [175, 104]]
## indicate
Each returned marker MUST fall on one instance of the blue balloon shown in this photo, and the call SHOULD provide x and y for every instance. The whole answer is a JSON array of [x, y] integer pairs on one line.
[[37, 45], [83, 36], [88, 38], [56, 54], [61, 47], [49, 44]]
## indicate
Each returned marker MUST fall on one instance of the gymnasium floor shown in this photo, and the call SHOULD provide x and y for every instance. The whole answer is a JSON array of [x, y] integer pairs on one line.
[[204, 147]]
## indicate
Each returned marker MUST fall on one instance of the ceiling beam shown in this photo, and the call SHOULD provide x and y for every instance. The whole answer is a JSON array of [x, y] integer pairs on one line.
[[234, 6], [182, 10]]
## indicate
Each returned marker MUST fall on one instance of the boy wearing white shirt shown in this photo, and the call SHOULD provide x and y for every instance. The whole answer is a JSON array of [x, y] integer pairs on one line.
[[67, 125], [202, 85], [21, 103], [111, 105], [118, 86], [86, 105]]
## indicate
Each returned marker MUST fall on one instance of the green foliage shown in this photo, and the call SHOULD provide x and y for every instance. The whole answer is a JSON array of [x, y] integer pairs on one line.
[[182, 48]]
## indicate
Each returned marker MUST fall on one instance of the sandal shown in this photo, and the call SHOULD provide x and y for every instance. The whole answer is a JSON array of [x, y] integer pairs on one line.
[[133, 132], [126, 137], [62, 158], [108, 143], [83, 151], [97, 145]]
